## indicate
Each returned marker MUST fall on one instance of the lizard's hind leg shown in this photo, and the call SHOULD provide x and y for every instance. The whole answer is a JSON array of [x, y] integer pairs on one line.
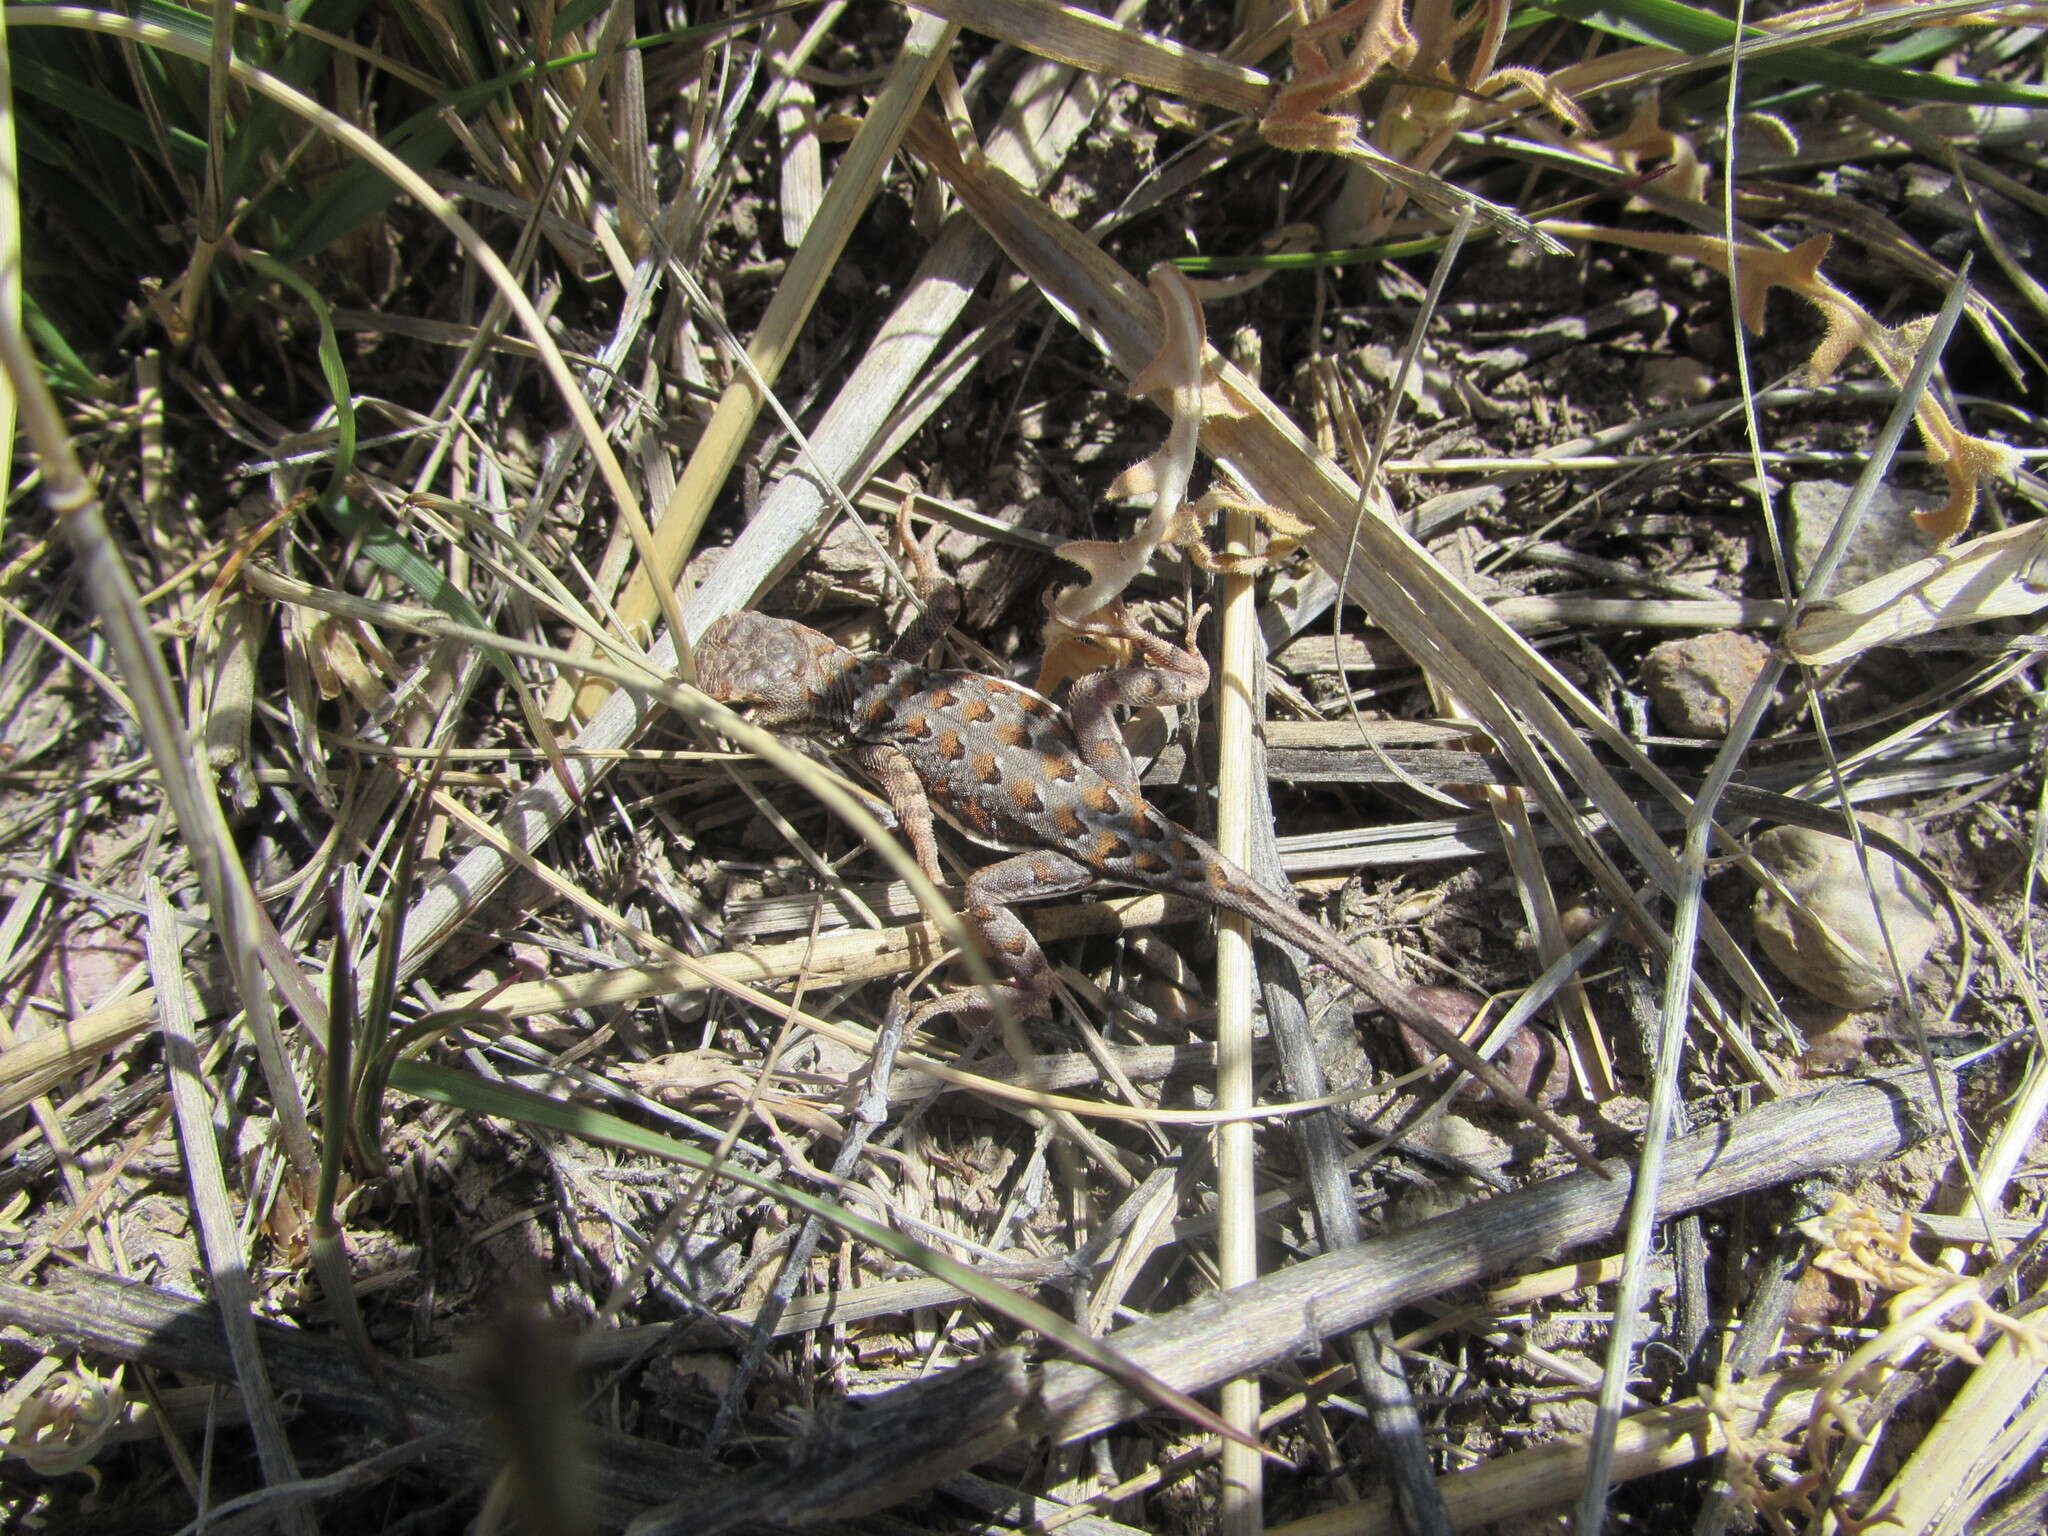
[[1164, 674], [1024, 979]]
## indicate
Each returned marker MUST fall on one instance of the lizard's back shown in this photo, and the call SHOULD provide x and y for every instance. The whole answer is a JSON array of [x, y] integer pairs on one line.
[[1002, 765]]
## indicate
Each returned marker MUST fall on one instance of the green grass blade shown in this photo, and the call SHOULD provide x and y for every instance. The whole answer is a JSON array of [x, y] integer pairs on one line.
[[94, 109], [389, 552], [354, 196], [379, 540], [62, 366], [1691, 30], [357, 194], [332, 369], [181, 19]]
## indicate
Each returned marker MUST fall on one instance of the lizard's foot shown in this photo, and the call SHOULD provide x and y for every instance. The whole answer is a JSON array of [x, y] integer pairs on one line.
[[1113, 622], [923, 556]]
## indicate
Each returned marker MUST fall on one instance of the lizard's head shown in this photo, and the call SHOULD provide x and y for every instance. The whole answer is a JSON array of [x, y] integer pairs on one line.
[[773, 671]]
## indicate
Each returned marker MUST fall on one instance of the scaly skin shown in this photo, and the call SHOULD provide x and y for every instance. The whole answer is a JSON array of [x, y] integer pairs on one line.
[[1054, 788]]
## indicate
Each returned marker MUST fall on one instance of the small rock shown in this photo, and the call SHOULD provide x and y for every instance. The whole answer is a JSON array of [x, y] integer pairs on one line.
[[1674, 381], [1826, 938], [1835, 1040], [1696, 684], [1441, 1192], [1885, 539], [1531, 1059]]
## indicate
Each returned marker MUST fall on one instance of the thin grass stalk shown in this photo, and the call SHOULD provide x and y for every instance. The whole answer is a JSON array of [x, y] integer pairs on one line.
[[483, 1096], [454, 404], [1237, 722], [373, 1025], [10, 246], [1678, 975], [1943, 1483], [1073, 35], [1655, 1440], [212, 1212], [328, 1246]]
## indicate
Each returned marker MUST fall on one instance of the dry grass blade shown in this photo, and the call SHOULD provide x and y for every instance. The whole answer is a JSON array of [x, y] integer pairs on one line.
[[378, 485], [33, 1067], [10, 233], [1072, 35], [1659, 1440], [212, 1212], [249, 941], [1999, 576], [1282, 1315], [1991, 1428], [1676, 1002]]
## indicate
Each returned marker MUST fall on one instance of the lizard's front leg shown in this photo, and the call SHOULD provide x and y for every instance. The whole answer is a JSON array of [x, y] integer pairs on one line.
[[1023, 976]]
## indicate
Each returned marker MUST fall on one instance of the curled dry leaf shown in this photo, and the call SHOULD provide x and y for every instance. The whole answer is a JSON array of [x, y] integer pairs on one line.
[[1177, 374], [336, 648], [1930, 1305], [1646, 139], [1301, 118], [1181, 374], [2002, 575], [61, 1426], [1435, 99]]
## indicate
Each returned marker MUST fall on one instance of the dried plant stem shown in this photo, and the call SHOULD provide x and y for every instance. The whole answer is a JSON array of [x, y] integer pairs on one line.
[[1237, 723], [1957, 1465], [1285, 1315], [36, 1065], [1685, 933], [1656, 1440], [10, 234]]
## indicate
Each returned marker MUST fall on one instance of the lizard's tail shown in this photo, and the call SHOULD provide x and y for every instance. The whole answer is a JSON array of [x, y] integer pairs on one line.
[[1232, 889]]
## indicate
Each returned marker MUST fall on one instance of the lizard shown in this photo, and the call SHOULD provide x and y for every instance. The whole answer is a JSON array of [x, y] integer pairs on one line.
[[1054, 789]]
